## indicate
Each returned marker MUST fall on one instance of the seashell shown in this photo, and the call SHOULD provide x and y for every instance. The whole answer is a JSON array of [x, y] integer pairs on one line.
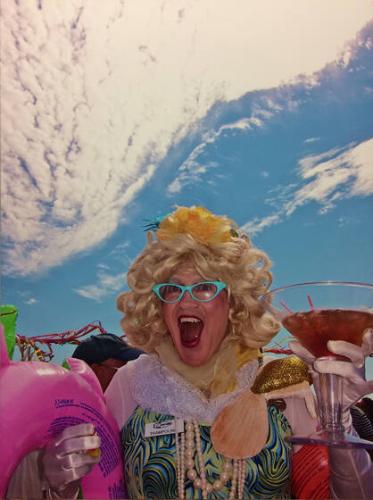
[[281, 373], [241, 428]]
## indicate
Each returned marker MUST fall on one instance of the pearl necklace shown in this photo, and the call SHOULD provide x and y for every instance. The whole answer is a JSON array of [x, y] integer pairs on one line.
[[188, 447]]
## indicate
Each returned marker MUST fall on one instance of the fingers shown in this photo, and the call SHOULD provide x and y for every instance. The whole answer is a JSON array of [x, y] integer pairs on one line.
[[302, 352], [80, 444], [350, 351], [69, 457], [354, 352], [367, 344], [77, 460], [342, 368], [75, 431]]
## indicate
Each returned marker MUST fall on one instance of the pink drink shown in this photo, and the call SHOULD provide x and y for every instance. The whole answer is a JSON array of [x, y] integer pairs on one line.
[[314, 328]]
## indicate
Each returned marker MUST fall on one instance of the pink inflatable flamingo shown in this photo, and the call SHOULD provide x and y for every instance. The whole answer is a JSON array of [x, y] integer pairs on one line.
[[38, 400]]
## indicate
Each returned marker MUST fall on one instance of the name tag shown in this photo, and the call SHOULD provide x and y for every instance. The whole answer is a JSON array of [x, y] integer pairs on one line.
[[163, 428]]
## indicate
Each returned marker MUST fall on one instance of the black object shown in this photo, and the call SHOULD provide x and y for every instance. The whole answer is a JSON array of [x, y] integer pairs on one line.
[[99, 348]]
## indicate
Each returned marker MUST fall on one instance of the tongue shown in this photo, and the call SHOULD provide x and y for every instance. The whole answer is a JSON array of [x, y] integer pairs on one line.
[[190, 333]]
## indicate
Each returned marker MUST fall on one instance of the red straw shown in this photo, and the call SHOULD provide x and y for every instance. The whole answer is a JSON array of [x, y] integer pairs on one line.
[[279, 351], [310, 302], [286, 307]]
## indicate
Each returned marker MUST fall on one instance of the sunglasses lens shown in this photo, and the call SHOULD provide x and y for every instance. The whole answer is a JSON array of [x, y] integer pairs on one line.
[[170, 293], [204, 291]]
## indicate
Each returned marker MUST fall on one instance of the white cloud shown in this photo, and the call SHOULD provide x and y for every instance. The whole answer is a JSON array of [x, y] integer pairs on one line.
[[191, 170], [191, 173], [325, 179], [257, 225], [31, 301], [106, 285], [347, 174], [311, 140], [347, 221], [95, 93], [308, 163], [120, 251]]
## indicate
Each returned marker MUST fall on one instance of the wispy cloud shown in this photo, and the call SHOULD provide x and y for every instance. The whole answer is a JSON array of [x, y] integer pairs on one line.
[[307, 164], [343, 175], [189, 174], [310, 140], [192, 170], [31, 301], [95, 94], [106, 285], [257, 225], [347, 221], [325, 178]]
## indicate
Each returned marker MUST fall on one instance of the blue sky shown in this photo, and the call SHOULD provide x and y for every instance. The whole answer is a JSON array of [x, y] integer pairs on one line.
[[110, 120]]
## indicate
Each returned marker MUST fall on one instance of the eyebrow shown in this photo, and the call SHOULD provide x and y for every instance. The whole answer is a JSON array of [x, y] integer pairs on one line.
[[176, 280], [179, 281]]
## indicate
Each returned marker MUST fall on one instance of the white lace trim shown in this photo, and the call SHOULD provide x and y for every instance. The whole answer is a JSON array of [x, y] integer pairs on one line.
[[155, 387]]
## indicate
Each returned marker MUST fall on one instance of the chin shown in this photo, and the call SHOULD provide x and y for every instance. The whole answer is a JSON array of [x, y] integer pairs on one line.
[[193, 360]]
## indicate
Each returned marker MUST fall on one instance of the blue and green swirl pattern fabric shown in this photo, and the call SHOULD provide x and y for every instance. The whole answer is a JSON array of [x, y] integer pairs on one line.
[[150, 463]]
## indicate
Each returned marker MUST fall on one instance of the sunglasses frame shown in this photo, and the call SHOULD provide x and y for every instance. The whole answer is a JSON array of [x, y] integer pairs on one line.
[[220, 285]]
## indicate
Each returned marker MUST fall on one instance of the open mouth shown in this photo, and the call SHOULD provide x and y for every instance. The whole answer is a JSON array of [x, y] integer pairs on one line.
[[190, 330]]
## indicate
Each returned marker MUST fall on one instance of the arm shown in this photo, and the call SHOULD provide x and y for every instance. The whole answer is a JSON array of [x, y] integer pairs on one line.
[[26, 481], [67, 459], [351, 469], [55, 472]]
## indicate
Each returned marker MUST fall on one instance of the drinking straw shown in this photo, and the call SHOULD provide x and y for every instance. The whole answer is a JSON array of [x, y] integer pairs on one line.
[[310, 302], [284, 305]]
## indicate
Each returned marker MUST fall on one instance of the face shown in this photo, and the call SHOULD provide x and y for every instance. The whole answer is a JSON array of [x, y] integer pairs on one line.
[[197, 328], [106, 370]]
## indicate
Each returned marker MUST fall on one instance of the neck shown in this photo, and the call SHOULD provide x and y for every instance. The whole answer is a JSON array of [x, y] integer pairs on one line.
[[218, 375]]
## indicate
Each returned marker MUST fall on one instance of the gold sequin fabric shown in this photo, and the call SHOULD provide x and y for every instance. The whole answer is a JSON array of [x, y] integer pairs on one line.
[[281, 373]]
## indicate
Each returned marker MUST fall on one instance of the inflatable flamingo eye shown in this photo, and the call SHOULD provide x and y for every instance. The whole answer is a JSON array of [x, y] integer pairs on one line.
[[38, 401]]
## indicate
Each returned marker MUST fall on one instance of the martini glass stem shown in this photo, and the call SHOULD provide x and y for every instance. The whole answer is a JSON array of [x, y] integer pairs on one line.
[[330, 402]]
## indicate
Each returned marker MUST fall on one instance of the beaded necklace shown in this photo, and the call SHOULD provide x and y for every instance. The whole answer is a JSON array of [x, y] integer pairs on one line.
[[188, 446]]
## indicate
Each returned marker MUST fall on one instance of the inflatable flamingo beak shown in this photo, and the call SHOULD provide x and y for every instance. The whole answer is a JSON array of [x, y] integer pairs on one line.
[[81, 367], [4, 358]]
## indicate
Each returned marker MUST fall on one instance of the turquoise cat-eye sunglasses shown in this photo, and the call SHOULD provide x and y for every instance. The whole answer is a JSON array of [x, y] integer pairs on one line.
[[202, 292]]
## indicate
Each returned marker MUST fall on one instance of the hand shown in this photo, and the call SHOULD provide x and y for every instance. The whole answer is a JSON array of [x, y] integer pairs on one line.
[[353, 372], [66, 458]]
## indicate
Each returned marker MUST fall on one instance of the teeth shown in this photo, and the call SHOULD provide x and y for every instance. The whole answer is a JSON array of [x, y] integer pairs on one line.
[[189, 320]]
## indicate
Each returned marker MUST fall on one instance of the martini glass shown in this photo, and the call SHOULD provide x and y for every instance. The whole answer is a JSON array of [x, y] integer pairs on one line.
[[314, 313]]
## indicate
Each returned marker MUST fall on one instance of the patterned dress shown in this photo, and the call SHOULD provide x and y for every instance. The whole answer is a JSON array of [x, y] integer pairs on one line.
[[150, 464]]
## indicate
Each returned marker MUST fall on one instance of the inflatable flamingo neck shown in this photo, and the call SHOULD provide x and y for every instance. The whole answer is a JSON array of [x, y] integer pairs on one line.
[[4, 358]]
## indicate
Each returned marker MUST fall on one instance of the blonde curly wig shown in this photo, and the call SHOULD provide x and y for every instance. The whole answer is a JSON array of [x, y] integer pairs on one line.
[[242, 267]]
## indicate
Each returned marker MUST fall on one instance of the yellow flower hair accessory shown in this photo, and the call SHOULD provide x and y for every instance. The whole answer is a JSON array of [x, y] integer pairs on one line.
[[199, 222]]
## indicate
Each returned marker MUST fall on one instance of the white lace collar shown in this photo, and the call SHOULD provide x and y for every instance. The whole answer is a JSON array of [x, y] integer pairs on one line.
[[155, 387]]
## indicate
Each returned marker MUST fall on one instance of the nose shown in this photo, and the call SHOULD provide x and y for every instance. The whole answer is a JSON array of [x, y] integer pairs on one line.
[[187, 298]]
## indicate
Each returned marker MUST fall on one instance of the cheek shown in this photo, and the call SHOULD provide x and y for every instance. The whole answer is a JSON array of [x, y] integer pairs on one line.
[[165, 312], [219, 315], [167, 317]]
